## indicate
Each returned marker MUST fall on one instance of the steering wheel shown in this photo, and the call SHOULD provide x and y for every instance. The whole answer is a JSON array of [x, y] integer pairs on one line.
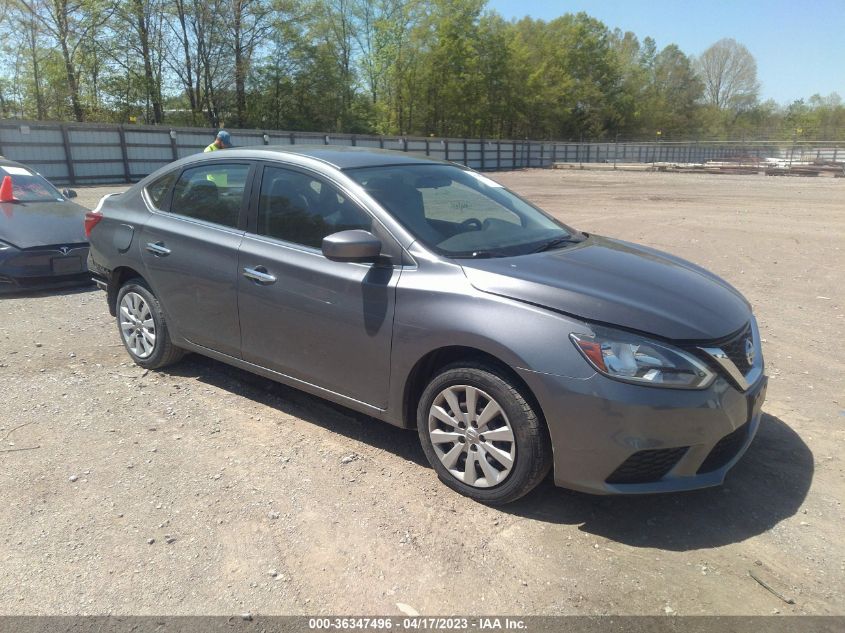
[[472, 224]]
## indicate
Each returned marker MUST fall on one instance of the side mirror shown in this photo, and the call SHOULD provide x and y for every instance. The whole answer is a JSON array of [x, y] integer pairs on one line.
[[68, 193], [352, 246]]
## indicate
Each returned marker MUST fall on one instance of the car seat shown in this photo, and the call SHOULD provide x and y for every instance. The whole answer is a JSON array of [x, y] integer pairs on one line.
[[405, 203], [202, 200]]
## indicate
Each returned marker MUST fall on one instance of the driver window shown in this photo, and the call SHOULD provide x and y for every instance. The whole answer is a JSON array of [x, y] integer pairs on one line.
[[300, 208]]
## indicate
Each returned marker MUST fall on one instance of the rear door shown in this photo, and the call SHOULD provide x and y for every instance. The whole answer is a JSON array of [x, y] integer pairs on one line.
[[190, 251], [324, 322]]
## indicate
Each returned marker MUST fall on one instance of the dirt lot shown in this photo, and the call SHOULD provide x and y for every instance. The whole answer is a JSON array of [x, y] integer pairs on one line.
[[202, 489]]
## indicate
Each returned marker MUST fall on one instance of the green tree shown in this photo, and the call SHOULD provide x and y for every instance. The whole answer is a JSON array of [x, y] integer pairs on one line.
[[450, 68], [573, 79], [672, 95], [410, 67], [72, 24], [137, 29]]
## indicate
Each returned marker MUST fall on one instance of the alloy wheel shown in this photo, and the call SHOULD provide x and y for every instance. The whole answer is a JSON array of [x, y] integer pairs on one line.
[[472, 436], [137, 325]]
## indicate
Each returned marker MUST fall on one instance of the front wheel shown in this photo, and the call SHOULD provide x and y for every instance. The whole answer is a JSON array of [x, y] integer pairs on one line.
[[481, 434], [143, 328]]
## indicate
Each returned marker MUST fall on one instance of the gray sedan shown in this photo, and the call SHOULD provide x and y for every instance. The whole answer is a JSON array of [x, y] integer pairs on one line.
[[429, 296], [42, 239]]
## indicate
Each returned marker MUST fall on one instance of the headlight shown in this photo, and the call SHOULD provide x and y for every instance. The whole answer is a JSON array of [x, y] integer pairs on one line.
[[643, 361], [4, 246]]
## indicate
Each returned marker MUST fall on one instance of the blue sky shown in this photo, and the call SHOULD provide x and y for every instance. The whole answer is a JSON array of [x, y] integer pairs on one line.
[[799, 45]]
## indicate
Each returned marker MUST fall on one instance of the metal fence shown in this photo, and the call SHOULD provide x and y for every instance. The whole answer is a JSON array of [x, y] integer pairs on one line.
[[87, 154]]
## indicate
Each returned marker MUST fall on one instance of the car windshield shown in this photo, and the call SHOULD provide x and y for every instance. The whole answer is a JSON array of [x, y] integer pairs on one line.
[[461, 213], [28, 186]]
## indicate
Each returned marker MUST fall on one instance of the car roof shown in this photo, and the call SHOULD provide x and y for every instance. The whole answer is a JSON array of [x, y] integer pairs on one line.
[[338, 156], [11, 163]]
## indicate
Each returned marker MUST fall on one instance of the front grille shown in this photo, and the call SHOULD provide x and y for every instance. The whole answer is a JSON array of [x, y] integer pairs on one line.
[[725, 450], [735, 350], [55, 248], [47, 280], [43, 255], [647, 466]]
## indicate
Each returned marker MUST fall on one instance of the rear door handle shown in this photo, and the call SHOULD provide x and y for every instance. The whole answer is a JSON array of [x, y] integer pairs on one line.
[[158, 248], [260, 275]]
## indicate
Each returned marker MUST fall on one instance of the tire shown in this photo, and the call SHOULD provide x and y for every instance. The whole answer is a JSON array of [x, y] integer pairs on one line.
[[137, 306], [513, 466]]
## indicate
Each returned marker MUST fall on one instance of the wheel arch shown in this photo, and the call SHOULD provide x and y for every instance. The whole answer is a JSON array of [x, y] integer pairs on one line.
[[431, 363], [118, 277]]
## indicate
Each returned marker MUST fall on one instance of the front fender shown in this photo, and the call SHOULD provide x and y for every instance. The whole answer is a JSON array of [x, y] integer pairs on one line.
[[437, 307]]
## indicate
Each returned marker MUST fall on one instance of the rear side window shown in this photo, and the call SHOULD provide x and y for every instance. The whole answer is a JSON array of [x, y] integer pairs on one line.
[[212, 192], [299, 208], [158, 189]]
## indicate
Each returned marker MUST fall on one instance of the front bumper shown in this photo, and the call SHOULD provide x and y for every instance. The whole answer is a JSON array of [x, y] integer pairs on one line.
[[43, 267], [611, 437]]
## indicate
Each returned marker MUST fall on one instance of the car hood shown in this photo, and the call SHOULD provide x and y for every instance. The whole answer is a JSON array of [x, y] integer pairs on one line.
[[31, 224], [618, 283]]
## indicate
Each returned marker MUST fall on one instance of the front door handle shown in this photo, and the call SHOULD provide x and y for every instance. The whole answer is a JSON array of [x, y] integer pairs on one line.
[[158, 249], [259, 274]]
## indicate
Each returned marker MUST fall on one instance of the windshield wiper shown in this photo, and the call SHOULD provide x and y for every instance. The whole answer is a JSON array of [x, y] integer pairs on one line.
[[550, 244], [477, 255]]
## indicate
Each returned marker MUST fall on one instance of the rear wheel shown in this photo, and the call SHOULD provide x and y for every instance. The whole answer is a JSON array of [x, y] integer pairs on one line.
[[482, 435], [143, 328]]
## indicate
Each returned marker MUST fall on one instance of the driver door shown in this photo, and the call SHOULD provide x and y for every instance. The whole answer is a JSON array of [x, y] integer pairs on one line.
[[323, 322]]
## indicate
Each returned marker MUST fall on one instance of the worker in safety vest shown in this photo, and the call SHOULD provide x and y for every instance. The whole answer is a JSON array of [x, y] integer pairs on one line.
[[223, 141]]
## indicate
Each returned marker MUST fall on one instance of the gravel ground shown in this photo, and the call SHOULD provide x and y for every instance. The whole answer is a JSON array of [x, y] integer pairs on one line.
[[203, 489]]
